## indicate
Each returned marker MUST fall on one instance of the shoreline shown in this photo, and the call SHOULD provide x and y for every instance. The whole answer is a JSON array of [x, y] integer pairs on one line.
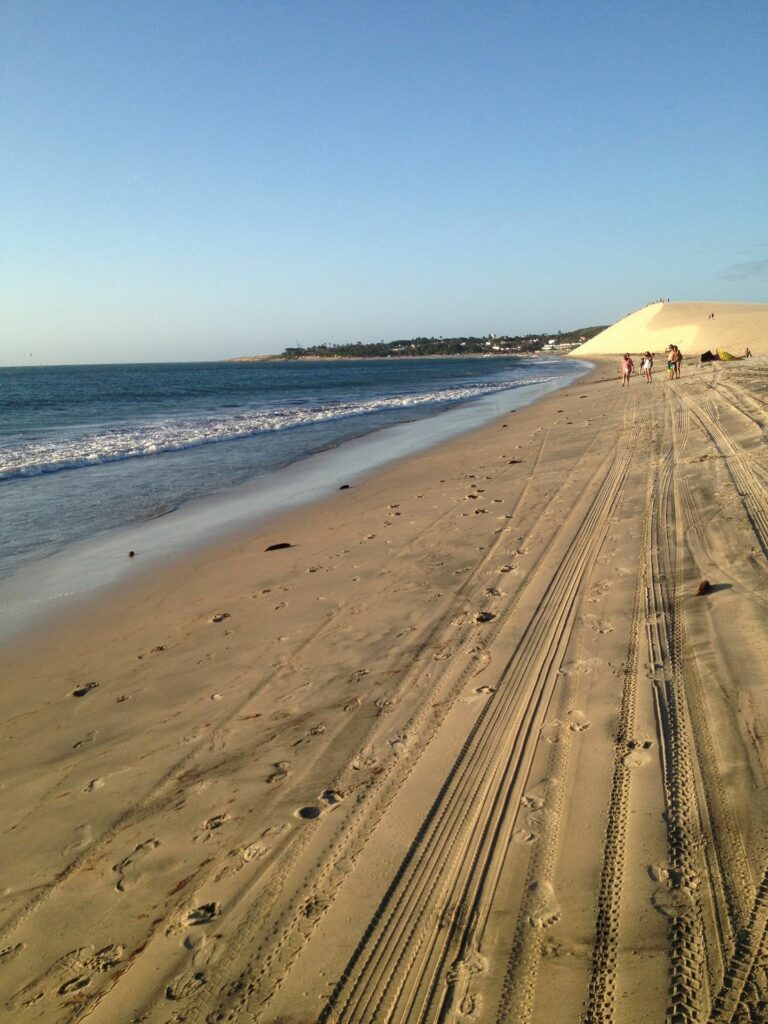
[[472, 736], [80, 570]]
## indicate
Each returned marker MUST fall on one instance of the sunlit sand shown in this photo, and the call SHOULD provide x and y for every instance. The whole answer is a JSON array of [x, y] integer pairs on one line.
[[467, 745]]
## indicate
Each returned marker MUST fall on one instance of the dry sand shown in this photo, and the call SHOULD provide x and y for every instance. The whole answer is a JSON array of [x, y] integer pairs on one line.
[[694, 327], [472, 749]]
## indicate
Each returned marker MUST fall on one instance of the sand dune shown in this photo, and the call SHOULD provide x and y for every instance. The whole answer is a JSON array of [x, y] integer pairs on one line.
[[689, 325], [472, 749]]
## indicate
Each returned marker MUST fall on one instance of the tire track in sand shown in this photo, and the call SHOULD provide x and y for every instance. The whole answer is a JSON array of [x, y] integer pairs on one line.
[[601, 994], [289, 931], [426, 933]]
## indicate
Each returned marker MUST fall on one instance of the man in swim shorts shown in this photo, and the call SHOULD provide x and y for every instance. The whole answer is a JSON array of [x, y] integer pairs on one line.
[[626, 369], [671, 362]]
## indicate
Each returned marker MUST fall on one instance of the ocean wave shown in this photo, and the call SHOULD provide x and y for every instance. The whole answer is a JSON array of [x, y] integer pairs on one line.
[[32, 456]]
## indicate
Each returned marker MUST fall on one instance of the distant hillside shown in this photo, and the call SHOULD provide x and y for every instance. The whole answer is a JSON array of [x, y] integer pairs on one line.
[[491, 343]]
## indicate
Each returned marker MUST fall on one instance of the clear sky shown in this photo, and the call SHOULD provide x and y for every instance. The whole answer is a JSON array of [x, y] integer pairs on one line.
[[212, 178]]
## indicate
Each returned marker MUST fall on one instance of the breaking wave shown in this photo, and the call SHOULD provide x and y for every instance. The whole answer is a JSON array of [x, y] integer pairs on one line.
[[52, 451]]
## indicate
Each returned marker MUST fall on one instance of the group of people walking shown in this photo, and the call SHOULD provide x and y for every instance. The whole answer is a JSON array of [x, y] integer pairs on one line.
[[627, 366]]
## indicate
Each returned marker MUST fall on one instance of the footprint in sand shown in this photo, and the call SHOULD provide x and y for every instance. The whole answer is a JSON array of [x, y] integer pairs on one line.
[[128, 869], [216, 822], [202, 914], [90, 966], [481, 661], [352, 704], [551, 732], [384, 705], [543, 908], [577, 721], [365, 762], [398, 744], [251, 851], [187, 982], [281, 771], [673, 902], [10, 953], [70, 973], [598, 625], [83, 839], [331, 797], [469, 966], [86, 740], [664, 873], [240, 856], [537, 796], [470, 1007], [275, 831], [638, 753]]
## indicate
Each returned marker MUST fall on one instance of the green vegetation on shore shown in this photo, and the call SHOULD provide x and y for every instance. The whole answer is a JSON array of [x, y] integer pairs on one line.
[[491, 343]]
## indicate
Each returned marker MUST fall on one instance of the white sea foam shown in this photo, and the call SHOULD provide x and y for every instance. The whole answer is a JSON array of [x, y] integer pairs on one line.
[[50, 452]]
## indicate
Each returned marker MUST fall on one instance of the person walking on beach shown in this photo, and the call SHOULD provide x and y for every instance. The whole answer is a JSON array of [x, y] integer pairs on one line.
[[626, 369], [647, 367], [678, 361], [671, 361]]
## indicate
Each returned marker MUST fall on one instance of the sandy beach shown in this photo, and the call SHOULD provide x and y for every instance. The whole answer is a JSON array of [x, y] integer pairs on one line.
[[468, 747]]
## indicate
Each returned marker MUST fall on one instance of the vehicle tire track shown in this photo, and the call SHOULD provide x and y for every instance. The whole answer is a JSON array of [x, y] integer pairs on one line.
[[601, 995], [484, 782]]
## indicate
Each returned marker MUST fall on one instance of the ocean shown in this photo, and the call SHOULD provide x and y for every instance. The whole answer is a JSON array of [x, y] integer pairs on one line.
[[85, 450]]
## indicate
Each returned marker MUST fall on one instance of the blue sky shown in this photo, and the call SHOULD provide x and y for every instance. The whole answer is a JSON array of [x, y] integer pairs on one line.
[[201, 180]]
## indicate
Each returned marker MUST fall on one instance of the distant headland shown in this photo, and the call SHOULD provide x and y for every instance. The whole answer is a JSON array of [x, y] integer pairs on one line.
[[489, 344]]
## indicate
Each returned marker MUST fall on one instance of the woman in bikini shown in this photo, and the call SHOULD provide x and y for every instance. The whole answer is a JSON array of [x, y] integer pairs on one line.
[[647, 367]]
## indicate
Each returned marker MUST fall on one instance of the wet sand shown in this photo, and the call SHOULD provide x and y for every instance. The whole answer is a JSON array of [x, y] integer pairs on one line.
[[471, 748]]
